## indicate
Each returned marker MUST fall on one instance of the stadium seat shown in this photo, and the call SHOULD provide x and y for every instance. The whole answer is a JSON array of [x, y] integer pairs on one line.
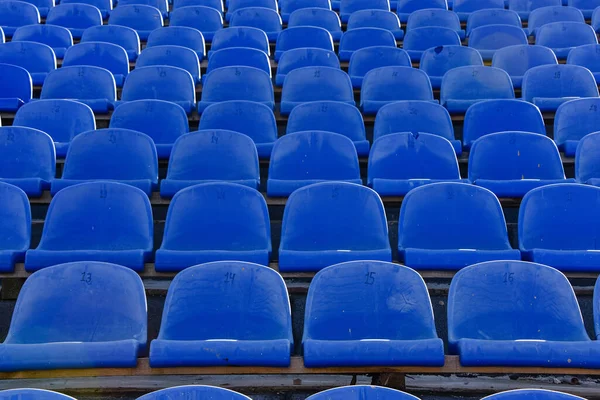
[[587, 56], [37, 58], [161, 83], [347, 7], [214, 222], [463, 8], [122, 36], [308, 84], [382, 19], [360, 38], [547, 15], [289, 6], [586, 7], [143, 19], [43, 6], [211, 155], [561, 37], [170, 55], [225, 313], [386, 85], [574, 120], [15, 87], [464, 86], [205, 19], [303, 158], [161, 5], [76, 17], [525, 7], [332, 222], [548, 86], [492, 16], [109, 56], [105, 6], [358, 392], [241, 36], [510, 164], [435, 18], [304, 57], [491, 116], [319, 17], [216, 4], [303, 37], [399, 162], [234, 5], [516, 60], [87, 315], [417, 117], [532, 394], [330, 116], [57, 37], [15, 229], [436, 61], [199, 391], [239, 56], [264, 19], [447, 226], [178, 36], [488, 39], [587, 168], [96, 221], [33, 394], [115, 154], [417, 40], [27, 160], [14, 14], [517, 314], [368, 58], [236, 83], [558, 227], [407, 7]]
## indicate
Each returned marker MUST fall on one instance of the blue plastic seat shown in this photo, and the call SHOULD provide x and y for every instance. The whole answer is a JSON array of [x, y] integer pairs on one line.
[[234, 5], [492, 16], [510, 164], [386, 85], [200, 391], [525, 7], [115, 154], [31, 394], [14, 14], [574, 120], [214, 222], [96, 221], [464, 86], [558, 226], [330, 116], [105, 6], [87, 315], [415, 116], [532, 394], [548, 86], [27, 159], [216, 4], [264, 19], [357, 392], [368, 58], [360, 38], [435, 18], [122, 36], [238, 56], [518, 314], [447, 226], [225, 313], [308, 84], [332, 222], [170, 55], [109, 56], [587, 56], [304, 57], [302, 37], [382, 19], [463, 8], [303, 158], [37, 58], [587, 168], [240, 36], [236, 83], [208, 156], [360, 322], [348, 7], [436, 61], [417, 40], [586, 7], [178, 36], [15, 87], [15, 229], [488, 39], [289, 6], [547, 15], [57, 37], [205, 19], [76, 17], [516, 60], [319, 17], [43, 6], [399, 162], [161, 5], [406, 7], [161, 83], [561, 37], [141, 18], [491, 116]]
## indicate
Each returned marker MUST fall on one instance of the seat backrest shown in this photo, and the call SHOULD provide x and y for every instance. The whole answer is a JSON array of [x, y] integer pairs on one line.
[[334, 215], [583, 4], [304, 36], [512, 300], [161, 5], [174, 56], [366, 37], [85, 301], [240, 56], [492, 16], [587, 56], [431, 36], [99, 54], [452, 215], [560, 217], [350, 6], [315, 17], [161, 83], [105, 6], [216, 4], [238, 83], [575, 119], [516, 60], [553, 81], [240, 36], [18, 13], [368, 58], [257, 17], [407, 7], [306, 57], [15, 214], [15, 82], [194, 391], [98, 216], [469, 6], [492, 37], [396, 83], [359, 300], [33, 394], [235, 5], [358, 392], [436, 61], [433, 17], [532, 394], [204, 19], [26, 153], [75, 15], [476, 82], [317, 83], [558, 35], [530, 5], [178, 36], [586, 158], [80, 82], [227, 300], [51, 35], [546, 15], [289, 6], [34, 57], [370, 18], [330, 116], [122, 36], [136, 16]]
